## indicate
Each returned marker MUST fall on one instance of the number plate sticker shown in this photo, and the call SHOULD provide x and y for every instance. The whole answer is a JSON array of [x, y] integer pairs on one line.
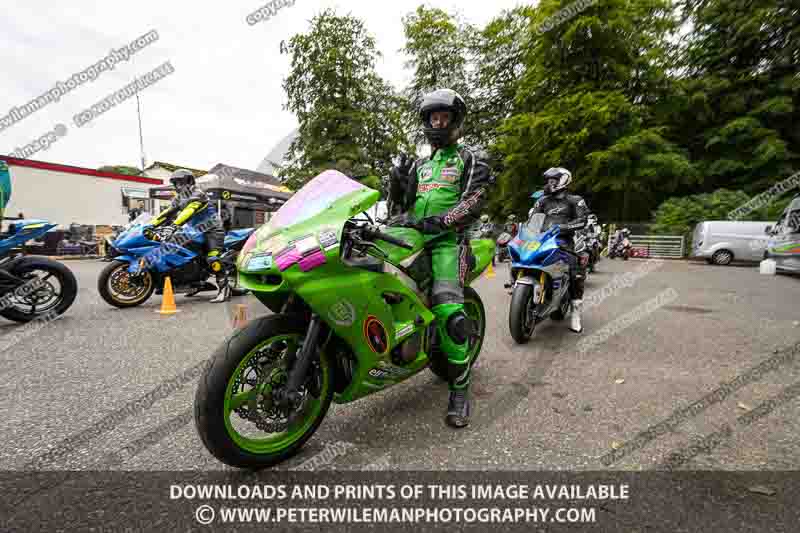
[[260, 262]]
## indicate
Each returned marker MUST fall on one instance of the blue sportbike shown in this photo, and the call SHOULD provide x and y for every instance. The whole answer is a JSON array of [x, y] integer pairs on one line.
[[32, 286], [141, 258], [540, 270]]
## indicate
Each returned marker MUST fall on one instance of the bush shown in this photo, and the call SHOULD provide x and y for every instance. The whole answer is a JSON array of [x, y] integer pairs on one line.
[[679, 216]]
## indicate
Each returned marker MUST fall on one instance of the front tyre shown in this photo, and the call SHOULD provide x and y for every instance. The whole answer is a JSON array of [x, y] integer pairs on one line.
[[520, 318], [119, 288], [236, 412]]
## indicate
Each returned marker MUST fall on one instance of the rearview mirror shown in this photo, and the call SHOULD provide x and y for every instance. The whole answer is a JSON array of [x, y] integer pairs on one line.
[[768, 230]]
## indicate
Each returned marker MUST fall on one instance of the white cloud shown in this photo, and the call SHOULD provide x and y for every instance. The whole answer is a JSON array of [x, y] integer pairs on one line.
[[224, 103]]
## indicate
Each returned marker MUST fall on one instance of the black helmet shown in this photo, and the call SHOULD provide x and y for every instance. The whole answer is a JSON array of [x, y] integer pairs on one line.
[[563, 176], [182, 178], [443, 100]]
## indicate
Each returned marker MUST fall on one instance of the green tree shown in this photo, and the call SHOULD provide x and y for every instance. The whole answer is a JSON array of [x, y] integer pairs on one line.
[[498, 52], [587, 101], [438, 46], [680, 215], [350, 119], [737, 107], [121, 169]]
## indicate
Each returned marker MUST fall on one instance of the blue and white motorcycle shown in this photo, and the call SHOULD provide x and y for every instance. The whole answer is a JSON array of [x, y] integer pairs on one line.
[[32, 286], [540, 270], [141, 258]]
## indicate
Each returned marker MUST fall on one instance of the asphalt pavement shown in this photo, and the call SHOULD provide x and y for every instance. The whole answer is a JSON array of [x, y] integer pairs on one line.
[[92, 384]]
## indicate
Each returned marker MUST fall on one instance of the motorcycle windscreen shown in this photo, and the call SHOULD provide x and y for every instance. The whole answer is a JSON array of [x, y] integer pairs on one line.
[[312, 218], [318, 195], [534, 228], [531, 240]]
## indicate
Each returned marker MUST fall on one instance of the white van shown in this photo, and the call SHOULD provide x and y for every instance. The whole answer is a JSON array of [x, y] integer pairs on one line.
[[722, 241]]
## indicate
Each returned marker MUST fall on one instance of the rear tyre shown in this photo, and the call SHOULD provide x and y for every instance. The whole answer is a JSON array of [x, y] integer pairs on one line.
[[520, 320]]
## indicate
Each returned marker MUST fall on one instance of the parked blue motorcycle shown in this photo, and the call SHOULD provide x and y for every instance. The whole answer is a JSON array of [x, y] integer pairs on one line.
[[540, 270], [141, 257], [32, 286]]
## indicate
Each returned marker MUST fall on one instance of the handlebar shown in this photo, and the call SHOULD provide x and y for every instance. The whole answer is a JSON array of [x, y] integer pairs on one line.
[[374, 234]]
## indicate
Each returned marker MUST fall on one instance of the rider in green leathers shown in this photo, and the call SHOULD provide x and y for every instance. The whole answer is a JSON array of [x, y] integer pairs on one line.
[[441, 195]]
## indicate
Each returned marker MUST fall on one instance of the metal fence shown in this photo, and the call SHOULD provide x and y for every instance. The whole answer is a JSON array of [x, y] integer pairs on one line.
[[660, 246]]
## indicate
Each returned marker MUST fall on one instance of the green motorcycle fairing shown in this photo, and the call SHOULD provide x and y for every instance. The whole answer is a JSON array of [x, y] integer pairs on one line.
[[298, 251]]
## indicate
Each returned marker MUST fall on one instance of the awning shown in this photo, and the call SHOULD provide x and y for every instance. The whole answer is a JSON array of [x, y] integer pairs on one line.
[[239, 190], [234, 191]]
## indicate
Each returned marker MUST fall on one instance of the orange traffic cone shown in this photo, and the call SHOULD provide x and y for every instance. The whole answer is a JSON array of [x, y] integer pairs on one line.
[[490, 271], [168, 301], [240, 319]]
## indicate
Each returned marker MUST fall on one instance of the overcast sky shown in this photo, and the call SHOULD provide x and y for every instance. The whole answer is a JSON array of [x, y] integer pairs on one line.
[[223, 103]]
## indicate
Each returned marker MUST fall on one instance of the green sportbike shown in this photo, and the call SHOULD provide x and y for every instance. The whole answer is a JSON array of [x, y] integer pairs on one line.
[[351, 317]]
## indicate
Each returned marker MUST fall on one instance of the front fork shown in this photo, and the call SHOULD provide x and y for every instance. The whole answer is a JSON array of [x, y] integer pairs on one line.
[[289, 397]]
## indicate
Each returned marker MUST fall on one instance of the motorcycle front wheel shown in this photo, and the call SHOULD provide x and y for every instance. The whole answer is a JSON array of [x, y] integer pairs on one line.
[[117, 287], [235, 408], [520, 317]]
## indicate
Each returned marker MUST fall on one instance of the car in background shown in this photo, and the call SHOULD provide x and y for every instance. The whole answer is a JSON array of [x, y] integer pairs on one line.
[[784, 239], [720, 242]]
